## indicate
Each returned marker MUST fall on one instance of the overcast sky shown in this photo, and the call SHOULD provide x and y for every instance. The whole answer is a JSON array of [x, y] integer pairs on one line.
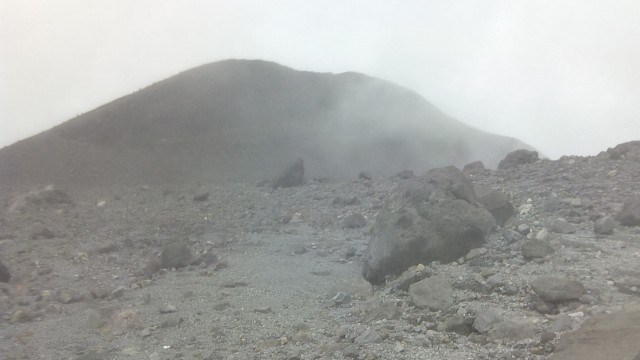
[[563, 76]]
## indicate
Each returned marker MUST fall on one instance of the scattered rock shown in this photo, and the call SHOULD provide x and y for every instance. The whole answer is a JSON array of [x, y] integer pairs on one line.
[[533, 249], [473, 168], [456, 323], [39, 231], [485, 319], [625, 151], [604, 225], [203, 196], [512, 330], [497, 203], [354, 221], [369, 336], [562, 226], [554, 289], [433, 293], [356, 286], [293, 175], [176, 255], [517, 158], [405, 174], [167, 309]]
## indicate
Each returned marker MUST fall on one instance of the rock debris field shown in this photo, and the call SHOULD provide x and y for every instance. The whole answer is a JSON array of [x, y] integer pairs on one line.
[[538, 259]]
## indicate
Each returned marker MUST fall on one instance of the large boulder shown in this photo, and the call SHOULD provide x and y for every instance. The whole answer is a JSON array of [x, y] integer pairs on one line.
[[452, 180], [630, 214], [497, 203], [293, 175], [604, 337], [423, 221], [625, 151], [518, 157]]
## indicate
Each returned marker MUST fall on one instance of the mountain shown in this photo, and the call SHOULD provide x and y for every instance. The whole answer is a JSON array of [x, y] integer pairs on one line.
[[244, 120]]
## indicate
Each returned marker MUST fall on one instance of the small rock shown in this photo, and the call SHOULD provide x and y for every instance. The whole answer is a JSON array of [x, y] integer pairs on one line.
[[39, 231], [354, 221], [557, 289], [167, 309], [369, 336], [176, 255], [203, 196], [562, 226], [512, 330], [405, 174], [484, 320], [171, 321], [365, 175], [523, 229], [262, 310], [434, 293], [342, 299], [562, 323], [511, 236], [455, 323], [533, 249], [293, 175], [604, 225], [20, 316]]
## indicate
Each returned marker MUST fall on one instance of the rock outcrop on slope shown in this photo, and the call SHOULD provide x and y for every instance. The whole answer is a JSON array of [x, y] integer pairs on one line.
[[240, 120], [429, 218]]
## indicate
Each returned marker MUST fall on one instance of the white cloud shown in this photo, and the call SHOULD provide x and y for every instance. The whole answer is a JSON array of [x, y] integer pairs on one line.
[[561, 75]]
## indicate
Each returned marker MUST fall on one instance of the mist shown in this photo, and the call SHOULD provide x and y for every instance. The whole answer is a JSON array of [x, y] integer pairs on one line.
[[560, 76]]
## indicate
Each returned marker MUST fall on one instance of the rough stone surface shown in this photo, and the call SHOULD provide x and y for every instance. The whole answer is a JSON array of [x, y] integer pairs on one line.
[[604, 225], [533, 249], [433, 293], [473, 167], [406, 234], [630, 214], [293, 175], [176, 255], [354, 221], [497, 203], [518, 157], [555, 289], [485, 319], [561, 226], [603, 337]]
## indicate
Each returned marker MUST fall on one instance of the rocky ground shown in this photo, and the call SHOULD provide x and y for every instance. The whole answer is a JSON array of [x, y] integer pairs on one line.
[[252, 272]]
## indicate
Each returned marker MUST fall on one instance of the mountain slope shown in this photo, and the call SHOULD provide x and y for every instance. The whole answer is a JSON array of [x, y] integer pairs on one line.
[[241, 120]]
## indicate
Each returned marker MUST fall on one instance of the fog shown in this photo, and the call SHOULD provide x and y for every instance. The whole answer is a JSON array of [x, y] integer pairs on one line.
[[559, 75]]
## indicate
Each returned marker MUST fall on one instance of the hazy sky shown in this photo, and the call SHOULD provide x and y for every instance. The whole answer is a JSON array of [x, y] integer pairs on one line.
[[563, 76]]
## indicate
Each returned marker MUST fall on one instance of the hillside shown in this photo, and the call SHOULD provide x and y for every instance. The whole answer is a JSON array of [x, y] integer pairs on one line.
[[240, 120]]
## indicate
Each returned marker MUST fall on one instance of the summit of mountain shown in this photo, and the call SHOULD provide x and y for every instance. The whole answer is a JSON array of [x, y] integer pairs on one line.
[[244, 120]]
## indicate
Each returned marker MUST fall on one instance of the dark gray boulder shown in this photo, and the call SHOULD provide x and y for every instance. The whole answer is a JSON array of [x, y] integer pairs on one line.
[[421, 222], [5, 275], [452, 180], [625, 151], [293, 175], [497, 203], [475, 167], [630, 214], [517, 158]]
